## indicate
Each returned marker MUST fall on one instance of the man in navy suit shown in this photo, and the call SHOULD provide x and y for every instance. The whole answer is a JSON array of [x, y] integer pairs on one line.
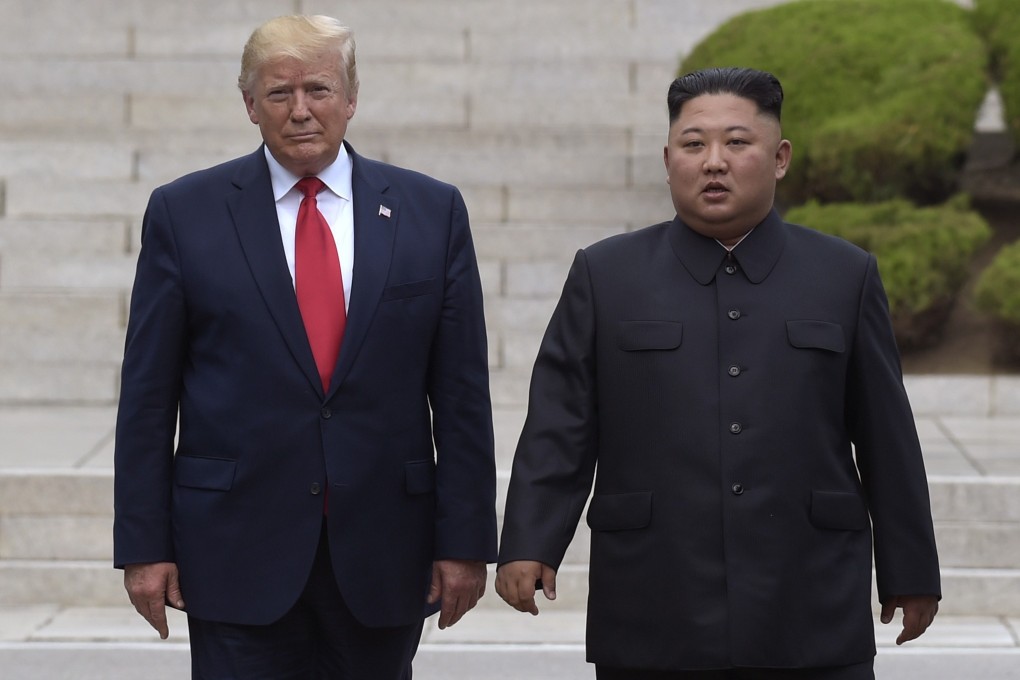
[[333, 480], [731, 384]]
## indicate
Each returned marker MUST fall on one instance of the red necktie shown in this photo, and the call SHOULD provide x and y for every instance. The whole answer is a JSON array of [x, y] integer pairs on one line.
[[318, 281]]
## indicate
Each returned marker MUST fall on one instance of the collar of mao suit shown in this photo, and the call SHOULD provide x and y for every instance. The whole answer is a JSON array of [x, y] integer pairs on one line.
[[757, 254]]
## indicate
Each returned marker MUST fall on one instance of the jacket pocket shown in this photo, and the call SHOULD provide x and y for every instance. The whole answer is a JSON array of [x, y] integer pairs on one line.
[[839, 510], [620, 511], [409, 290], [636, 336], [215, 474], [809, 334], [420, 476]]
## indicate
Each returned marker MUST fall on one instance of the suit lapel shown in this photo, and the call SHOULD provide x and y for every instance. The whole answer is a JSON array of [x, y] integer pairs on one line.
[[258, 229], [375, 221]]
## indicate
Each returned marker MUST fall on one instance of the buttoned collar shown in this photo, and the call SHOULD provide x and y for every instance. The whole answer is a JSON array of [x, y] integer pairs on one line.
[[756, 254], [336, 176]]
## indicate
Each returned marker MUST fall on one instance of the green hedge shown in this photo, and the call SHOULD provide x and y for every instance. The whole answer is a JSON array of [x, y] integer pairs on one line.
[[923, 254], [881, 96], [999, 22], [998, 289], [998, 294]]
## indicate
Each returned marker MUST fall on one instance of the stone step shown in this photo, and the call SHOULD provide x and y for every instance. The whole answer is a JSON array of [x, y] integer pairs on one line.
[[67, 515]]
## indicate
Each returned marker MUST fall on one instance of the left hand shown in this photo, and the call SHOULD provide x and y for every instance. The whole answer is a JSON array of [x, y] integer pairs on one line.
[[460, 584], [918, 613]]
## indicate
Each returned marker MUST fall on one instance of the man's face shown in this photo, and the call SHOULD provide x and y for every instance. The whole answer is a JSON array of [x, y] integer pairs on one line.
[[302, 110], [723, 159]]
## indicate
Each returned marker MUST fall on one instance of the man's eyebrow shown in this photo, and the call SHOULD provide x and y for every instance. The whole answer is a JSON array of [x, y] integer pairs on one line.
[[732, 128]]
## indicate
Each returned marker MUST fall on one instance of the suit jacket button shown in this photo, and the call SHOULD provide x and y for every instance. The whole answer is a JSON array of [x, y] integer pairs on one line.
[[326, 413], [737, 489], [733, 314], [315, 489], [734, 371], [730, 269], [735, 428]]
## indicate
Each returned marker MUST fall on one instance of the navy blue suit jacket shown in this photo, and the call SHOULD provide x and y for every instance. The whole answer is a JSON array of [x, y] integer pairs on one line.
[[402, 438]]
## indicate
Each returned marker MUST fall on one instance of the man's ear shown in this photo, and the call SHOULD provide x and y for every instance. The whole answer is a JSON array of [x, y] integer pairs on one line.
[[352, 105], [665, 160], [249, 104], [784, 154]]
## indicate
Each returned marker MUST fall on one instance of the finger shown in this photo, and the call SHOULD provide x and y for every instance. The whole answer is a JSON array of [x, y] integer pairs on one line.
[[436, 588], [156, 616], [548, 582], [888, 609], [525, 587], [173, 591], [448, 613], [915, 622]]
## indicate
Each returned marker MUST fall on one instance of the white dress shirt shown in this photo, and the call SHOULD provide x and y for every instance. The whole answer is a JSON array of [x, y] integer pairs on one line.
[[335, 202]]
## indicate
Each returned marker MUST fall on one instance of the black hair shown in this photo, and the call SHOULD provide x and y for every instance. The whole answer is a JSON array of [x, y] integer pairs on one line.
[[761, 87]]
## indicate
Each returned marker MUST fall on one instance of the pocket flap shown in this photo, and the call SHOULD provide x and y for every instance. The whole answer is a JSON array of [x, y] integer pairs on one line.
[[204, 473], [635, 336], [809, 334], [620, 511], [420, 476], [409, 290], [838, 510]]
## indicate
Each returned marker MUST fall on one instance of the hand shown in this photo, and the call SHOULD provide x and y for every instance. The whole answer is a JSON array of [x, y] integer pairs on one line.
[[517, 581], [459, 584], [918, 613], [151, 587]]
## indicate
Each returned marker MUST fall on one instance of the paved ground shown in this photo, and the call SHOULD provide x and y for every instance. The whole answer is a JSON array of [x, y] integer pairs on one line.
[[969, 426], [488, 645]]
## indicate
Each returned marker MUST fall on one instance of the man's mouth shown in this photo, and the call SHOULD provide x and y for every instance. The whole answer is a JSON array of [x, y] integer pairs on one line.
[[715, 188]]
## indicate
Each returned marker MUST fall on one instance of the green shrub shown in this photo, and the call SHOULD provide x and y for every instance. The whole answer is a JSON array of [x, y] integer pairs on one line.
[[997, 293], [881, 96], [998, 289], [999, 22], [923, 254]]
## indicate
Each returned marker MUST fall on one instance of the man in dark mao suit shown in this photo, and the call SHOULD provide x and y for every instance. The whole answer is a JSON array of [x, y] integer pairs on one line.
[[718, 370], [313, 512]]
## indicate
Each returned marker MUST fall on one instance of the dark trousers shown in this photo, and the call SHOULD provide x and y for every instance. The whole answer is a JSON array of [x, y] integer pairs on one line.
[[318, 639], [859, 671]]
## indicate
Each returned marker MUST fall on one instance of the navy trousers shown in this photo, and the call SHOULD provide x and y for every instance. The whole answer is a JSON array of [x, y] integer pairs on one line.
[[318, 639]]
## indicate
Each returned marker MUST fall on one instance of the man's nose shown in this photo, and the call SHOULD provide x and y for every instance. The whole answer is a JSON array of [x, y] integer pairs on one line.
[[299, 106], [715, 160]]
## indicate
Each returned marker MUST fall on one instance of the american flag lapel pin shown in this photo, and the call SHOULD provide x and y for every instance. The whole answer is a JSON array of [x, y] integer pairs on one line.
[[384, 211]]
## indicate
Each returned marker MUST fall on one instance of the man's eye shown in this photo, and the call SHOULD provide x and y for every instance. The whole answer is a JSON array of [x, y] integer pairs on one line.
[[738, 142]]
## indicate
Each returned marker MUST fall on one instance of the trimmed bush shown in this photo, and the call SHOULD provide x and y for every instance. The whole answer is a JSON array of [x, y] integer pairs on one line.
[[998, 294], [999, 22], [881, 96], [923, 254]]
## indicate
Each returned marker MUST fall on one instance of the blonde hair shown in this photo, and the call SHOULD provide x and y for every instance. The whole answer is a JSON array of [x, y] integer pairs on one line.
[[304, 38]]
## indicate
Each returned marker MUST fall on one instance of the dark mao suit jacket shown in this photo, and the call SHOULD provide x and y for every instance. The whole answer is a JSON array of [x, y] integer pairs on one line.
[[215, 331], [719, 399]]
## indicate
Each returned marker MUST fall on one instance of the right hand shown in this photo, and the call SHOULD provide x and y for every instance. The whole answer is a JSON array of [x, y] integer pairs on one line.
[[516, 581], [151, 587]]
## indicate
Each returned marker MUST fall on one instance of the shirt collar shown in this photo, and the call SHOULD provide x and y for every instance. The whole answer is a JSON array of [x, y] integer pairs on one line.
[[336, 176], [758, 252]]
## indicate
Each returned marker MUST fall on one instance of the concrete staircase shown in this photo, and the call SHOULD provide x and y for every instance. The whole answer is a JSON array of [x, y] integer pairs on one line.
[[550, 116]]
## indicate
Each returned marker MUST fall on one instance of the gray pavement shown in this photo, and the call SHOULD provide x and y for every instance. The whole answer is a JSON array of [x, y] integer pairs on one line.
[[969, 428]]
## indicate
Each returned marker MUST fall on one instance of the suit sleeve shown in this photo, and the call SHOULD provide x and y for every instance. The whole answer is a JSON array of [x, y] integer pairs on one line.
[[889, 454], [458, 388], [555, 460], [149, 394]]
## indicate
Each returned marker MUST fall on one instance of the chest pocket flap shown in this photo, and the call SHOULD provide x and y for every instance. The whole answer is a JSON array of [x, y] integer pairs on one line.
[[635, 336], [809, 334]]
